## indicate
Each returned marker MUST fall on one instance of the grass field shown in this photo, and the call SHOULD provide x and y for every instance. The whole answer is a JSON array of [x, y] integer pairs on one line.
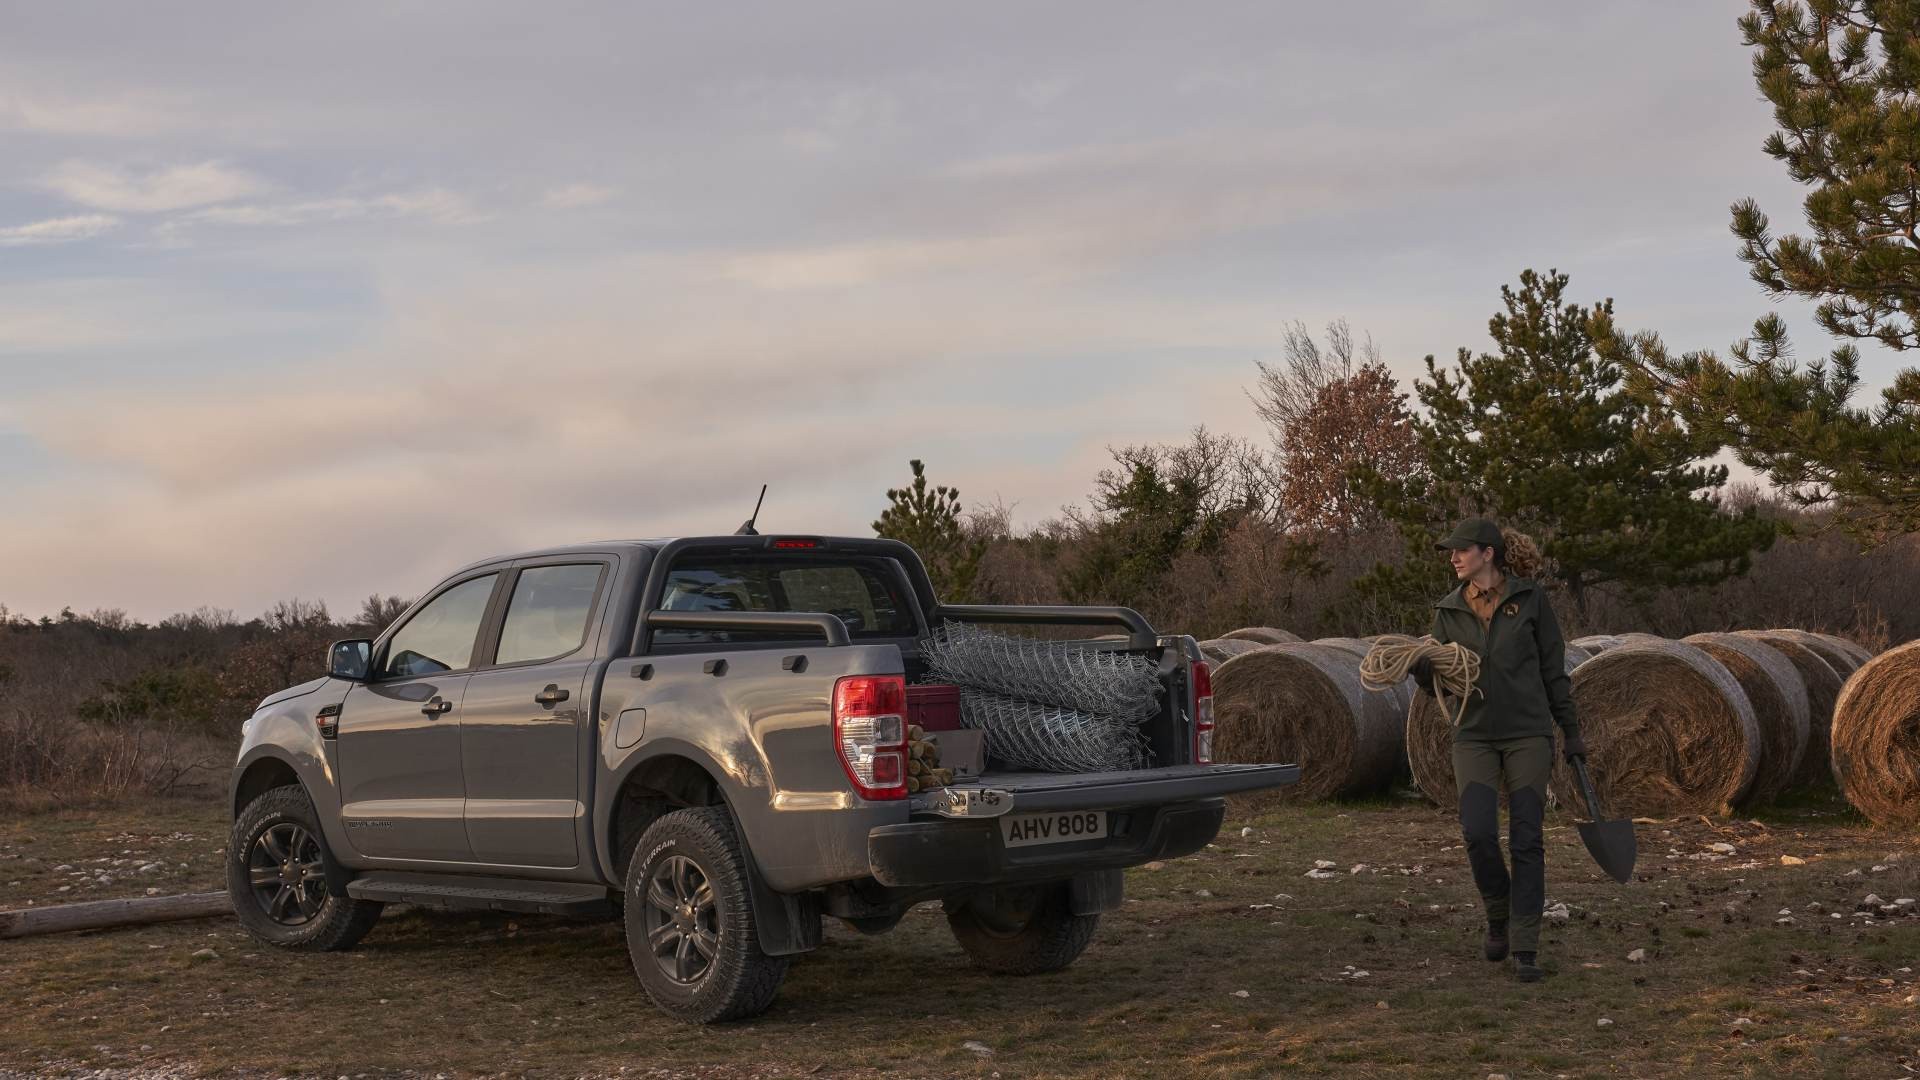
[[1231, 963]]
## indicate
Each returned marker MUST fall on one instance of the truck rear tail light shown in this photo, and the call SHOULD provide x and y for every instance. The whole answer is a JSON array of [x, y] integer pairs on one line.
[[870, 730], [796, 543], [1202, 677]]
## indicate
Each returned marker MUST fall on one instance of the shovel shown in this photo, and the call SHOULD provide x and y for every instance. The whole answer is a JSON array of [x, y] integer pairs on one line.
[[1611, 843]]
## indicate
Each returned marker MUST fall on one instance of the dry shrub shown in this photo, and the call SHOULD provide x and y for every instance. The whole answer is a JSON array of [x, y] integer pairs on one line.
[[1304, 704], [1668, 731], [1779, 698], [1823, 684], [1876, 738]]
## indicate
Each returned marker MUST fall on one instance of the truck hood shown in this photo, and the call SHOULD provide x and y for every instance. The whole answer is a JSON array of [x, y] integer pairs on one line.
[[294, 692]]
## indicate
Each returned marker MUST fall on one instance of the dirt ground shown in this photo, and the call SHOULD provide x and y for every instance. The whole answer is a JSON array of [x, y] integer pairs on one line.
[[1231, 963]]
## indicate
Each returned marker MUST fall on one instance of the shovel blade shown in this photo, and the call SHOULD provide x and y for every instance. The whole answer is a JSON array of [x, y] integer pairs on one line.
[[1612, 845]]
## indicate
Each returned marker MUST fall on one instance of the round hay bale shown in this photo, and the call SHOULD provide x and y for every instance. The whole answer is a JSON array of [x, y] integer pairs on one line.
[[1853, 650], [1304, 704], [1219, 650], [1635, 637], [1576, 655], [1430, 745], [1779, 698], [1595, 644], [1265, 635], [1840, 656], [1876, 738], [1823, 689], [1667, 731], [1402, 693]]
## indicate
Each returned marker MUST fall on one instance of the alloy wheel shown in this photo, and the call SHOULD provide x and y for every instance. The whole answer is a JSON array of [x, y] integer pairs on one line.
[[285, 871], [682, 920]]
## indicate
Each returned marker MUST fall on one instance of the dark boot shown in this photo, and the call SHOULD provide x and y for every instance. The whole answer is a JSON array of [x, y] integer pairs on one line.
[[1496, 939], [1526, 969]]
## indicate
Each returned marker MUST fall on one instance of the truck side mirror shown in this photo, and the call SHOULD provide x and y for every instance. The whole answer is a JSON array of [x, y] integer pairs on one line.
[[350, 659]]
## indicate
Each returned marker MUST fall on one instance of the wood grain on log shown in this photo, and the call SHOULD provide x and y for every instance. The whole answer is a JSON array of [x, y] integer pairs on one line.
[[25, 922]]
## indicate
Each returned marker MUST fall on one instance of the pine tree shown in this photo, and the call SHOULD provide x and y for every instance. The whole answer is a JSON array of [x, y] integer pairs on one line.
[[1542, 435], [928, 520], [1843, 77]]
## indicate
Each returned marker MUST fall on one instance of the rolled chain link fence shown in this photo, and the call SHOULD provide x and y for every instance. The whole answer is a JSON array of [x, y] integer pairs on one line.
[[1048, 705]]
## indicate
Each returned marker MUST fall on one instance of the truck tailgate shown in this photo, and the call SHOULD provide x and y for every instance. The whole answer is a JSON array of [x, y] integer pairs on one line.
[[996, 793]]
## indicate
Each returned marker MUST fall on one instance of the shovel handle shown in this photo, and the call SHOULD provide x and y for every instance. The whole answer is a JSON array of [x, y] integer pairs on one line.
[[1586, 787]]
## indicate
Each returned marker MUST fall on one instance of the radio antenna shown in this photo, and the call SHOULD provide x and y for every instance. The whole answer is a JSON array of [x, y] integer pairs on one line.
[[746, 527]]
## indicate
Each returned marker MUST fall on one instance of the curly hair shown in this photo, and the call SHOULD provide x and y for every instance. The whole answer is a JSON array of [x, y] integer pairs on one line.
[[1522, 555]]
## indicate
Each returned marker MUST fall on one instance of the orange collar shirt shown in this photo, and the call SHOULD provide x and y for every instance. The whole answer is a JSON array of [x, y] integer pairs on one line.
[[1484, 601]]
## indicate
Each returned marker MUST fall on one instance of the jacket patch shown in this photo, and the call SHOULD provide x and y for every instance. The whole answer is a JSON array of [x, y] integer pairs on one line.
[[1510, 610]]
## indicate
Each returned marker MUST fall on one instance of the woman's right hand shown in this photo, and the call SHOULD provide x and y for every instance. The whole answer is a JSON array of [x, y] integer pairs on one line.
[[1422, 672]]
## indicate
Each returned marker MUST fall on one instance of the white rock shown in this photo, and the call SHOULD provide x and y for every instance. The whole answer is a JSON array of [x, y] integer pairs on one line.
[[1246, 831], [1357, 867], [1558, 913], [1905, 901], [1203, 893], [1874, 899], [1722, 847], [1786, 911], [205, 954], [1792, 860], [1603, 1022], [977, 1047], [1637, 956], [1321, 875], [1742, 1021], [1241, 994], [1851, 873], [1784, 921], [153, 892], [1881, 868], [1323, 864]]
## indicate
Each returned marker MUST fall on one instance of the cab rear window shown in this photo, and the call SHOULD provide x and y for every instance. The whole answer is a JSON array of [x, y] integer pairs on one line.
[[865, 593]]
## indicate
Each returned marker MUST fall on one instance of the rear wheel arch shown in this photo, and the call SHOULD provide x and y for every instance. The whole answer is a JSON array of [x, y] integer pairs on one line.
[[655, 788]]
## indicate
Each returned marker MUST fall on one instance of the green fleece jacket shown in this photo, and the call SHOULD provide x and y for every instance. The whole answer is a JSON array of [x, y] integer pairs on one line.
[[1523, 687]]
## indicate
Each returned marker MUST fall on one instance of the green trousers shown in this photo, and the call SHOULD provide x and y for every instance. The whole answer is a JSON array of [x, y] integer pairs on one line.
[[1481, 770]]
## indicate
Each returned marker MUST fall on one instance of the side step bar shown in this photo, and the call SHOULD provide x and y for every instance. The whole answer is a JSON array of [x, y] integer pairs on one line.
[[482, 893]]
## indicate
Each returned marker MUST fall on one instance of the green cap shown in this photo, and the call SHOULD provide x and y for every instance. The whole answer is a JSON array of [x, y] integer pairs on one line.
[[1472, 531]]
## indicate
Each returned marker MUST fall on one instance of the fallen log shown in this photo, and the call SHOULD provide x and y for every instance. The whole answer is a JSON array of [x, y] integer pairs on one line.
[[97, 914]]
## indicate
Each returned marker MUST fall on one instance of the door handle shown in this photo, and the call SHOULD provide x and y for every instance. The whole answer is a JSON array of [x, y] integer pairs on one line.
[[552, 695], [437, 706]]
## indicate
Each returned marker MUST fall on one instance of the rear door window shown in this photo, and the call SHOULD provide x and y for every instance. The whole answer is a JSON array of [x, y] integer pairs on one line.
[[866, 594], [547, 616]]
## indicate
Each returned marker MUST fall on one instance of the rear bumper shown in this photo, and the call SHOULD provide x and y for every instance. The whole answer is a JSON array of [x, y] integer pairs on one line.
[[956, 852]]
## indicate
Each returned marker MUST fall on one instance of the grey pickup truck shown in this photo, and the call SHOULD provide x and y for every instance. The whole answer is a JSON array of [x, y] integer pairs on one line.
[[707, 735]]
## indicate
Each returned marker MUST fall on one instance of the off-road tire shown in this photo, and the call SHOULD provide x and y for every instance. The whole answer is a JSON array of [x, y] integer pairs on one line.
[[1048, 938], [738, 980], [340, 921]]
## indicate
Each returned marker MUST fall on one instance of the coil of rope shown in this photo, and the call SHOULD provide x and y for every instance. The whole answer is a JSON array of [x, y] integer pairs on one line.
[[1455, 669]]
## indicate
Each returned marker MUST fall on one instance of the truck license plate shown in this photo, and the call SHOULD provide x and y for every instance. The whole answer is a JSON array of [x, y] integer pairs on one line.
[[1020, 830]]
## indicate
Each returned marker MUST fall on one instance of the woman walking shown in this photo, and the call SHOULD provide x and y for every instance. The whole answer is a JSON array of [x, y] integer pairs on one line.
[[1504, 740]]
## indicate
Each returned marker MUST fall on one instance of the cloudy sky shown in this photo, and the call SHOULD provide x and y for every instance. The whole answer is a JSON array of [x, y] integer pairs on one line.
[[317, 301]]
